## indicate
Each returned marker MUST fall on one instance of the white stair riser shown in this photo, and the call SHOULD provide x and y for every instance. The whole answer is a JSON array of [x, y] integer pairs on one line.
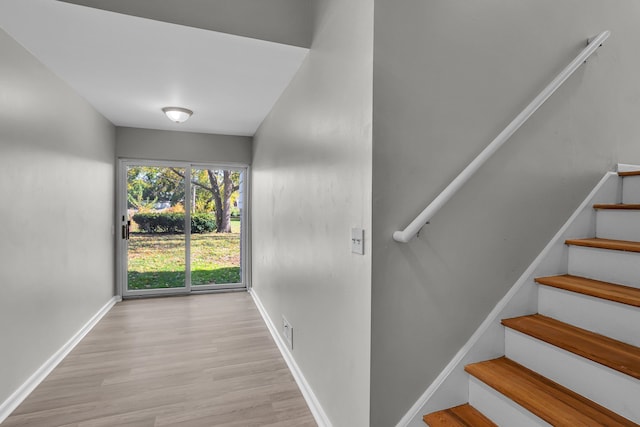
[[615, 320], [611, 389], [500, 409], [631, 189], [618, 224], [609, 266]]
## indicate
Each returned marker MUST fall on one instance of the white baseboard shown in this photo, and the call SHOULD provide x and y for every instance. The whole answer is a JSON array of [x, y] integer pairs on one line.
[[13, 401], [314, 405], [491, 329]]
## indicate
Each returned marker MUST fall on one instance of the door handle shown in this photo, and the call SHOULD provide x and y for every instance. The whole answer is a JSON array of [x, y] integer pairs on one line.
[[126, 231]]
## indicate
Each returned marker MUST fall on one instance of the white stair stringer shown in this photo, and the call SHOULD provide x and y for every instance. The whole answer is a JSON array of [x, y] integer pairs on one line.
[[631, 189], [610, 388], [607, 265], [609, 318], [500, 409], [618, 224]]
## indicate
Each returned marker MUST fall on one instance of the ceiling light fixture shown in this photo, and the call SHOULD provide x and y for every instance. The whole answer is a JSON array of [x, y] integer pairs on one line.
[[177, 114]]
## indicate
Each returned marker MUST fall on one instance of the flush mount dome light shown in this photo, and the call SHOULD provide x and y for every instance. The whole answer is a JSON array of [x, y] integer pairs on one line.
[[177, 114]]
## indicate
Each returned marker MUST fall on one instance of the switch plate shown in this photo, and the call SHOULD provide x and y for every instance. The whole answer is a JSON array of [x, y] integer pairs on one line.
[[357, 241]]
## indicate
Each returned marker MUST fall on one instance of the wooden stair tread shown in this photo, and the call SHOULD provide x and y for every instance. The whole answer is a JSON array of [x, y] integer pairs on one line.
[[550, 401], [617, 206], [595, 288], [630, 173], [615, 354], [462, 416], [617, 245]]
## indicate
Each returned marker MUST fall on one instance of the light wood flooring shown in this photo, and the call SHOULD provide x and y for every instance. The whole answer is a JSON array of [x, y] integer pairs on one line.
[[201, 360]]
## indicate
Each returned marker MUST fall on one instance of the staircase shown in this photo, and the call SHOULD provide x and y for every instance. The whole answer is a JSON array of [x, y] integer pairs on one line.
[[576, 362]]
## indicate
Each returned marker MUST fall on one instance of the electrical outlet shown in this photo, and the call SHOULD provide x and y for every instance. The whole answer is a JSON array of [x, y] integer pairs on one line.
[[287, 332]]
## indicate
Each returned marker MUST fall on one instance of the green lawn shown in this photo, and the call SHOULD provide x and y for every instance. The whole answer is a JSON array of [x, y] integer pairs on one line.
[[157, 260]]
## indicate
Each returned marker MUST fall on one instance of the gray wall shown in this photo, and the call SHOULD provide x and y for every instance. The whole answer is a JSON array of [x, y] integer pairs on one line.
[[57, 192], [281, 21], [137, 143], [311, 183], [448, 76]]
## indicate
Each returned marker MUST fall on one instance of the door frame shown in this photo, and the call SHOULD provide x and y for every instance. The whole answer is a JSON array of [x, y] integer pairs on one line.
[[122, 243]]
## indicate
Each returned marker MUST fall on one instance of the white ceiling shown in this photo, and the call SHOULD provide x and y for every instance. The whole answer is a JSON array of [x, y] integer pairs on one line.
[[128, 68]]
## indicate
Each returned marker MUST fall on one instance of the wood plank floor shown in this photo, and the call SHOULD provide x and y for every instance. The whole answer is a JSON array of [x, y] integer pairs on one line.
[[201, 360]]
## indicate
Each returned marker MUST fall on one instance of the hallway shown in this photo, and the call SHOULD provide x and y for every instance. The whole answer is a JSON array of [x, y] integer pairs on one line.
[[201, 360]]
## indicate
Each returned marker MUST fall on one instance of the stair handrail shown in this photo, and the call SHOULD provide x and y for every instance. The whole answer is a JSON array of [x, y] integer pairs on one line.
[[425, 216]]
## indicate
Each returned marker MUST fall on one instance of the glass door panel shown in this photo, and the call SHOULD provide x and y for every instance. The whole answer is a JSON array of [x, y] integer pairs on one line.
[[155, 229], [216, 227]]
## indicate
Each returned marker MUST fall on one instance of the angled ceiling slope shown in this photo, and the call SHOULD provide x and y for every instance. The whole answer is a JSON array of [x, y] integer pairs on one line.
[[128, 67], [281, 21]]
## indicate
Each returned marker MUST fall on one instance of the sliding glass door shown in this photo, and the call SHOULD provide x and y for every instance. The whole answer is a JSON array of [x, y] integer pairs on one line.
[[182, 227]]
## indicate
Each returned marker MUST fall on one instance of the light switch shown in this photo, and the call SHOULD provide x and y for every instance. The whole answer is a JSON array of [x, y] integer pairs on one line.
[[357, 241]]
